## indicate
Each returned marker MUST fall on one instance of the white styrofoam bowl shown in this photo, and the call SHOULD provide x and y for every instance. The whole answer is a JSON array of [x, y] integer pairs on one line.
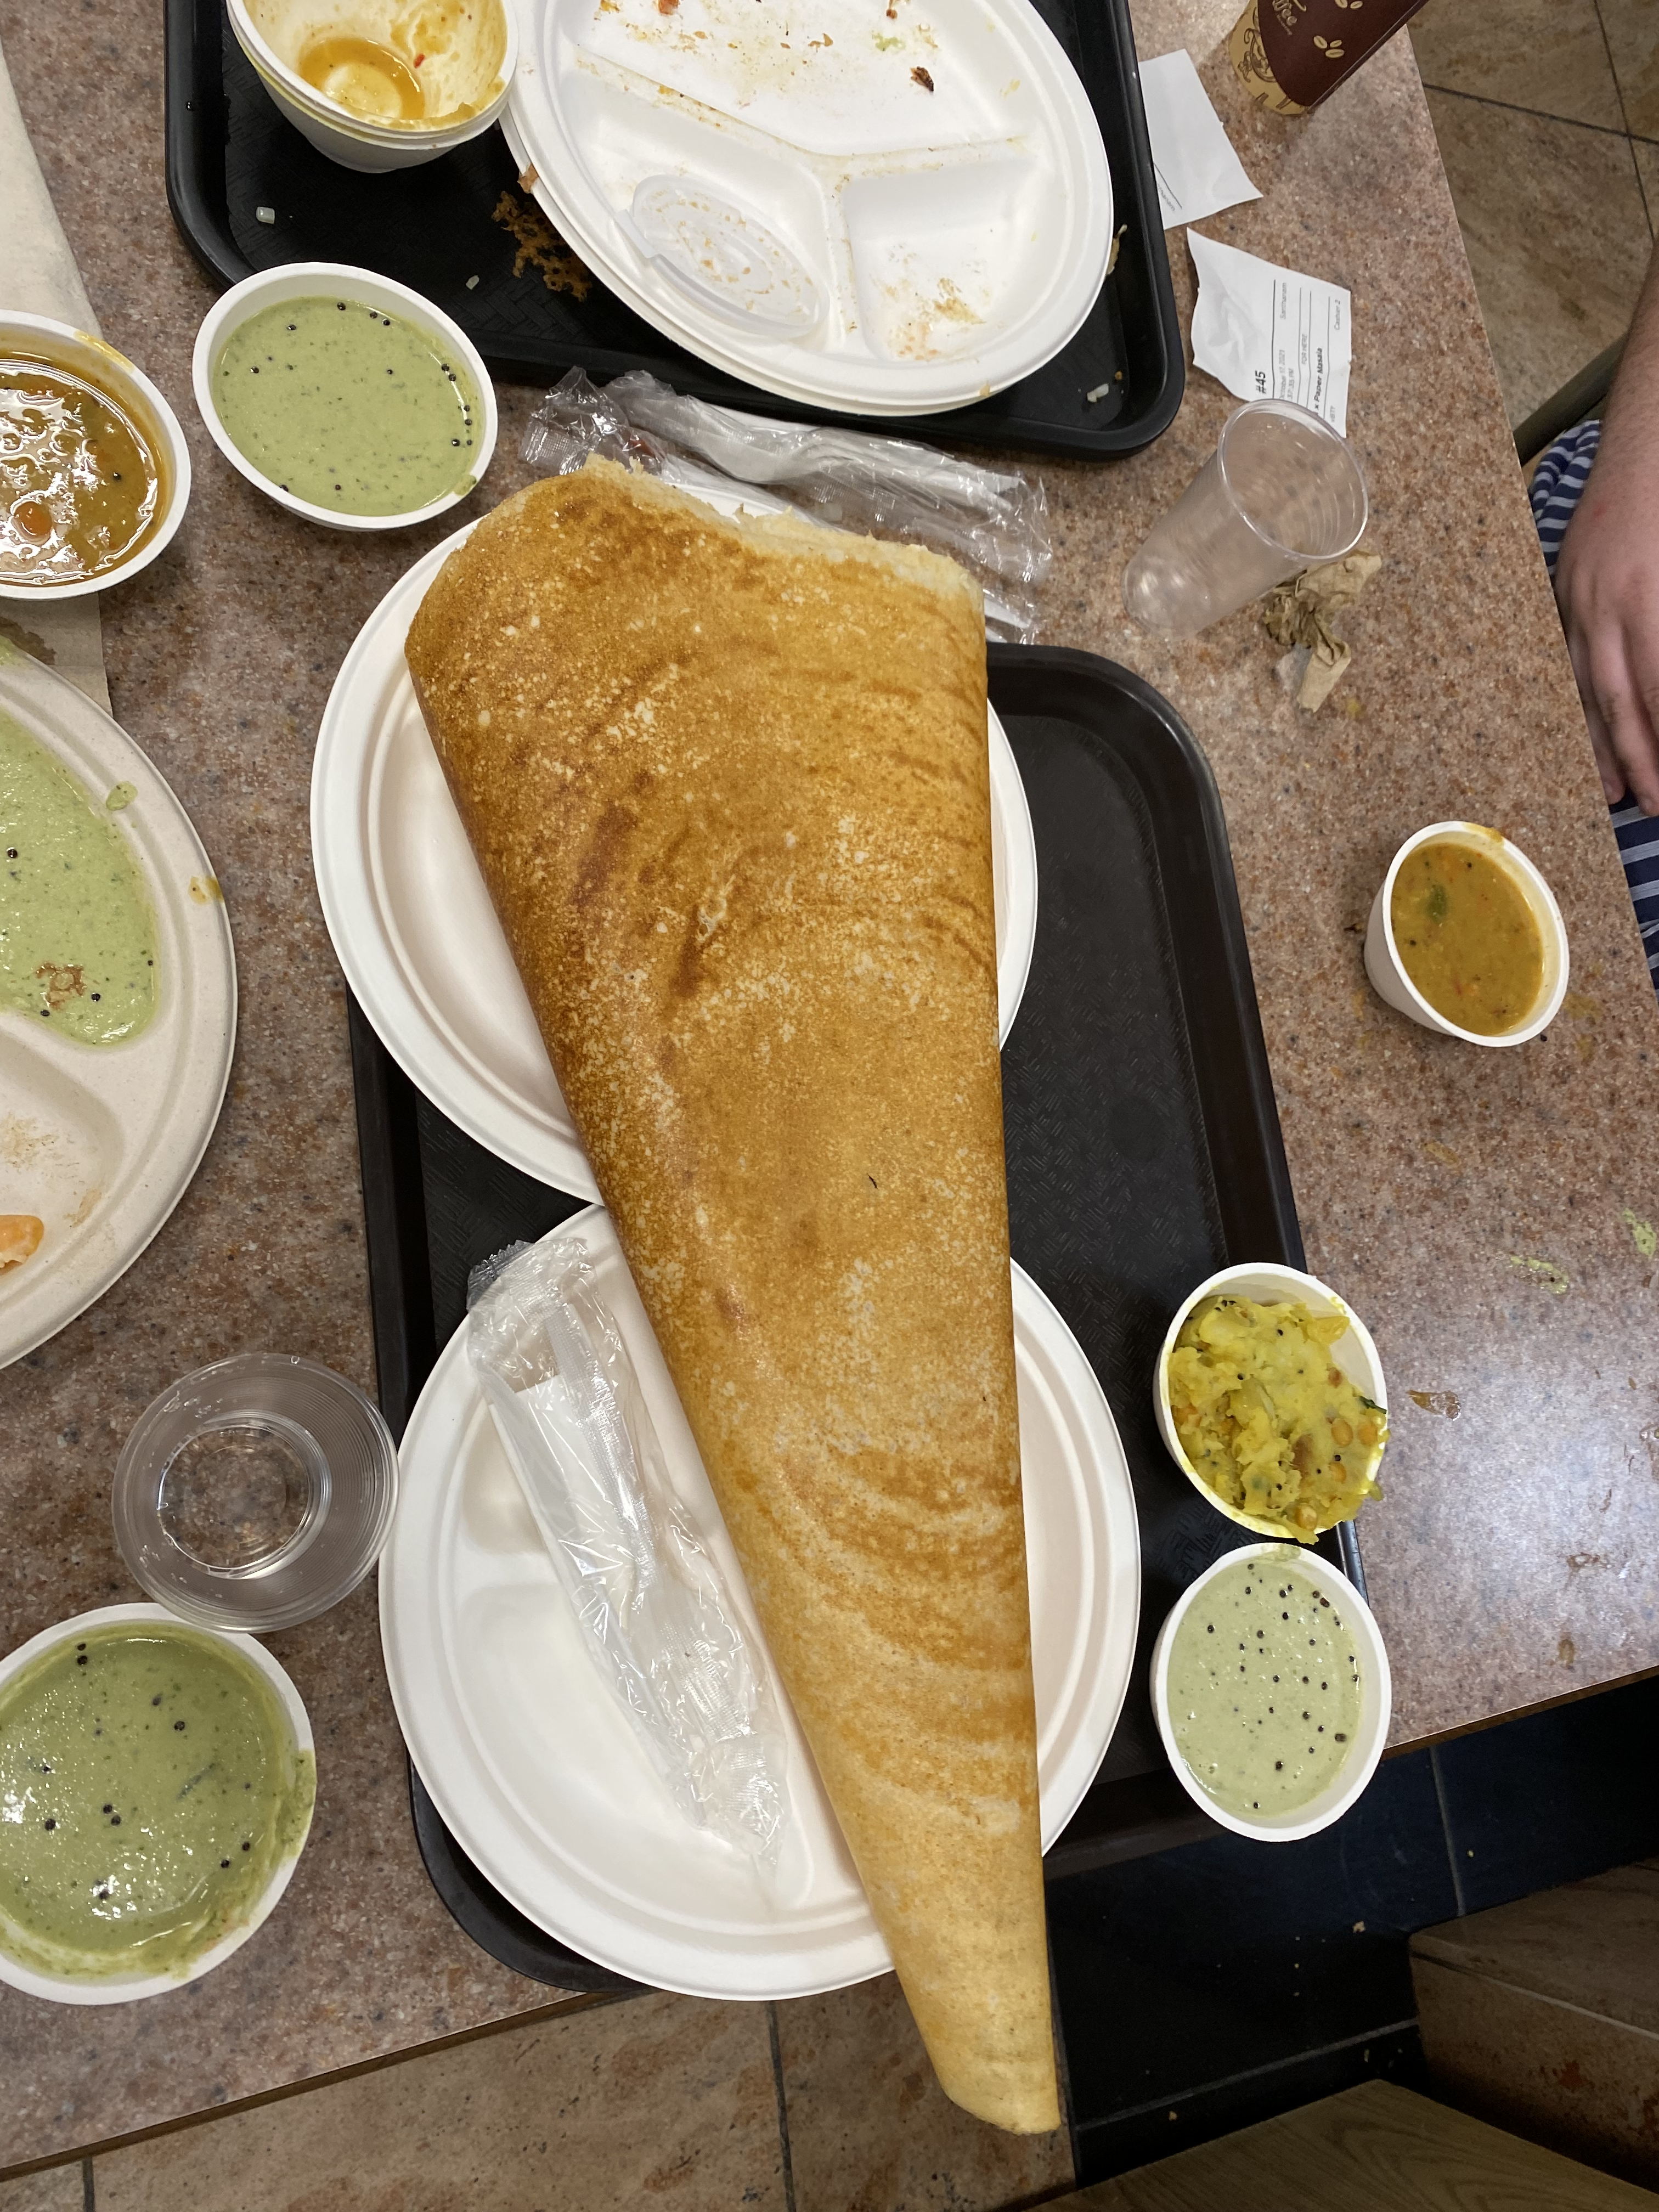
[[1269, 1283], [102, 365], [304, 280], [110, 1989], [355, 141], [1376, 1701], [1388, 971]]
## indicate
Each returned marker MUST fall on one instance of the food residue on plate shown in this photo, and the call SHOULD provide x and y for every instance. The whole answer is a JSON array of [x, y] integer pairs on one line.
[[352, 410], [1267, 1421], [20, 1240], [1466, 937], [150, 1787], [1263, 1687], [78, 932], [81, 484]]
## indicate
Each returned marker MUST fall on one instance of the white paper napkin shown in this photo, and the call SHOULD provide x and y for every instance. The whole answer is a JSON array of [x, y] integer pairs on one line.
[[1270, 333], [37, 276], [1197, 172]]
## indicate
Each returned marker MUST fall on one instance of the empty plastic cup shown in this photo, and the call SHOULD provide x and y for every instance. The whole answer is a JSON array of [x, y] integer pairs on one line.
[[1282, 492], [255, 1493]]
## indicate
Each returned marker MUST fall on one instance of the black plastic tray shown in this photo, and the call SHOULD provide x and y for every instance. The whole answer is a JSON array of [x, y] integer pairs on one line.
[[228, 153], [1142, 1148]]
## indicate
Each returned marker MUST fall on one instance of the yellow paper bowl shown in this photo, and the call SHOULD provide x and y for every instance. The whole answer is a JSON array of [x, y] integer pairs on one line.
[[1270, 1285]]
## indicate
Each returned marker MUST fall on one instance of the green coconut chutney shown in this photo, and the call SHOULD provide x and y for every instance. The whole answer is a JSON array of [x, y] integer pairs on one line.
[[345, 407], [1263, 1687], [150, 1787], [78, 932]]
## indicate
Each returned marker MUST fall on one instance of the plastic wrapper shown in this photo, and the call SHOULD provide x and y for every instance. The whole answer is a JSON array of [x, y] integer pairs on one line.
[[994, 521], [654, 1611]]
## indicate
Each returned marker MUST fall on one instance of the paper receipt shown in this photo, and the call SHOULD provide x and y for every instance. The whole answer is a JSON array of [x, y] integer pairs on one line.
[[1197, 171], [1271, 333]]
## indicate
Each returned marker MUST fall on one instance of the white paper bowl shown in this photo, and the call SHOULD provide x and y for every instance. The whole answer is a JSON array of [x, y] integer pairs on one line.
[[90, 357], [355, 141], [109, 1990], [1376, 1702], [307, 280], [1388, 972], [1269, 1283]]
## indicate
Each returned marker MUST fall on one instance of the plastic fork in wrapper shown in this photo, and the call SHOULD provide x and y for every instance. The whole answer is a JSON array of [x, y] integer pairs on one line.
[[654, 1611], [994, 521]]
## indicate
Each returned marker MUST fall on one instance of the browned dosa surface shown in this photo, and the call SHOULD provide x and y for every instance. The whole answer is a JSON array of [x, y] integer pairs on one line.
[[728, 784]]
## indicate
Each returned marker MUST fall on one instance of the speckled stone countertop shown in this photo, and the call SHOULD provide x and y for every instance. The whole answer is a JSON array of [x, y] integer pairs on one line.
[[1484, 1212]]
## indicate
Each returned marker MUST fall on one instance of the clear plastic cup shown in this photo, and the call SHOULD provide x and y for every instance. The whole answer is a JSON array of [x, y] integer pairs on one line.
[[1282, 492], [256, 1493]]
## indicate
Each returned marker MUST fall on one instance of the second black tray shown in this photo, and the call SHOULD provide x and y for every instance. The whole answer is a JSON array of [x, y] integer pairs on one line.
[[456, 230], [1142, 1148]]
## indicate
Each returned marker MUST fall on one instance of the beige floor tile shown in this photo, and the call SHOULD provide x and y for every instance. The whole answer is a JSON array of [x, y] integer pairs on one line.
[[1557, 233], [1548, 55], [660, 2100], [1572, 2080], [1374, 2148], [1591, 1944], [1632, 29], [61, 2189], [870, 2129]]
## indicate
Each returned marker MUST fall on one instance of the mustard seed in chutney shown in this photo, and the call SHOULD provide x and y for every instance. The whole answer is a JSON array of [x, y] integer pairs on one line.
[[349, 408]]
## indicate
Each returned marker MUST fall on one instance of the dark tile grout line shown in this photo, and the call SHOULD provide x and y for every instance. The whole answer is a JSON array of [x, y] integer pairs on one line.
[[1543, 114], [1446, 1830], [1249, 2073], [1613, 71], [788, 2165], [88, 2200]]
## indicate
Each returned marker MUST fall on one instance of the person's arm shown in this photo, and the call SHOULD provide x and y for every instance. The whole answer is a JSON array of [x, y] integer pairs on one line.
[[1607, 579]]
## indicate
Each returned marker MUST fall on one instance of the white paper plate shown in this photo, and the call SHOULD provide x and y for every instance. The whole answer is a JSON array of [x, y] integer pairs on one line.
[[100, 1141], [847, 237], [418, 937], [64, 1989], [537, 1774]]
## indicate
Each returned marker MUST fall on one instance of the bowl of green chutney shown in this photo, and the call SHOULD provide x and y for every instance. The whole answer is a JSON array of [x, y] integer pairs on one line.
[[345, 396], [157, 1782]]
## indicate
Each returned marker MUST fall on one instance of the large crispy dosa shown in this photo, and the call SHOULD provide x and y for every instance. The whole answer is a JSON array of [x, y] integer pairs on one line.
[[727, 785]]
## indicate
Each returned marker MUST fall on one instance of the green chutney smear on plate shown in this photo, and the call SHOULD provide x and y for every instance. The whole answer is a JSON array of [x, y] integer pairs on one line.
[[78, 932], [150, 1787], [1263, 1687], [346, 407]]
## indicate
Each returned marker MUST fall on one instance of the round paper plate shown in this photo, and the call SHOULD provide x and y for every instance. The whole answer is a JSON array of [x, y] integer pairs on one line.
[[884, 214], [537, 1773], [100, 1141], [418, 937]]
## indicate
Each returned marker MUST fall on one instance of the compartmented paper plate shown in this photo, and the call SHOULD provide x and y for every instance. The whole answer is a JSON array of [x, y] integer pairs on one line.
[[537, 1772], [418, 937], [98, 1142], [892, 210]]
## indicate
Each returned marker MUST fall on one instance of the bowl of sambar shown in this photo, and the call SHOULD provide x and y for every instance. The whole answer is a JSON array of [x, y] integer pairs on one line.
[[1465, 935], [93, 465]]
